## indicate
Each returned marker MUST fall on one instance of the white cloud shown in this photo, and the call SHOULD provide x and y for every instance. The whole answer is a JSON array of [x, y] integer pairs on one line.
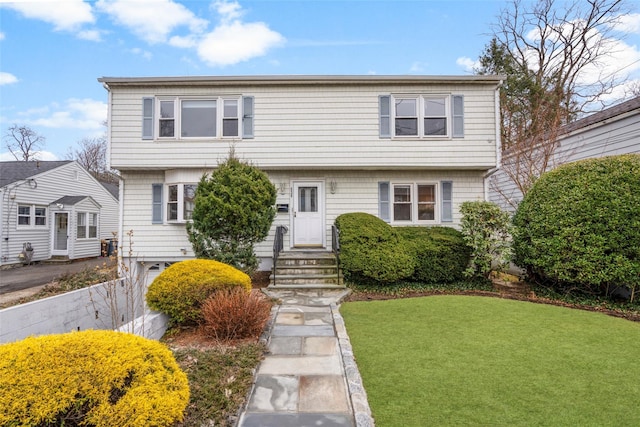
[[141, 52], [417, 67], [7, 78], [236, 42], [91, 35], [68, 15], [75, 114], [152, 21], [228, 11], [468, 64], [629, 23], [1, 35]]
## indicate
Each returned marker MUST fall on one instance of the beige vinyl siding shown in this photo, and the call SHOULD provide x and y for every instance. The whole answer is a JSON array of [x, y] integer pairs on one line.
[[316, 127], [356, 191]]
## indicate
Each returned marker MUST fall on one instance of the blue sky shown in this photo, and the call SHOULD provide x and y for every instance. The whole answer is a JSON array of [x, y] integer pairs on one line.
[[53, 51]]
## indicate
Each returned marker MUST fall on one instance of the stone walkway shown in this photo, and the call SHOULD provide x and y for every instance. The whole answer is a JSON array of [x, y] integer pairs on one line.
[[309, 376]]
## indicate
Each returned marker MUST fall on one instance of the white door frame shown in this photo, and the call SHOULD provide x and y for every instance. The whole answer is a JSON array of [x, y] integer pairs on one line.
[[54, 234], [321, 241]]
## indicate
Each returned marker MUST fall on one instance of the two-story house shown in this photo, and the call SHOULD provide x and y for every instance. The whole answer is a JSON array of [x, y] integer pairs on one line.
[[408, 149]]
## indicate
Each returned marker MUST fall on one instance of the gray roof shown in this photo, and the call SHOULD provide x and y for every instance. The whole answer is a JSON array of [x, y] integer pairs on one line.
[[72, 200], [16, 171], [111, 188]]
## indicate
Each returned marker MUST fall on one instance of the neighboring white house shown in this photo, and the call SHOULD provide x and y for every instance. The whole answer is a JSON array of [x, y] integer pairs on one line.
[[55, 206], [408, 149], [613, 131]]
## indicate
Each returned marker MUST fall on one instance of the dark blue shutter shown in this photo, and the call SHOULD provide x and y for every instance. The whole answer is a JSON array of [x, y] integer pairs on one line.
[[385, 116], [156, 215], [383, 201], [247, 116], [447, 201], [147, 118]]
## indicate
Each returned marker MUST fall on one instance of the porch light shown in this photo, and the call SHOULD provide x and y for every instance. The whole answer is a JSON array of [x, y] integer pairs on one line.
[[333, 186]]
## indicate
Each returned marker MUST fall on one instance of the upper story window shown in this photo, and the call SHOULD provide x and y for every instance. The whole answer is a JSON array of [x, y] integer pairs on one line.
[[31, 215], [421, 116], [184, 117]]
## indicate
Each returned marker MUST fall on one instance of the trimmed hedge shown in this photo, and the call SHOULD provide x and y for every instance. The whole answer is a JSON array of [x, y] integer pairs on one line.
[[181, 289], [440, 253], [580, 224], [95, 378], [370, 249]]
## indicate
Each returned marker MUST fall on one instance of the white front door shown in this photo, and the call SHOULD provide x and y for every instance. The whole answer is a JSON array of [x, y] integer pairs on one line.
[[60, 233], [308, 214]]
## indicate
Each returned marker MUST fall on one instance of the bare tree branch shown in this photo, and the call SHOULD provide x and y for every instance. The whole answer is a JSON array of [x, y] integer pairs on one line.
[[23, 142]]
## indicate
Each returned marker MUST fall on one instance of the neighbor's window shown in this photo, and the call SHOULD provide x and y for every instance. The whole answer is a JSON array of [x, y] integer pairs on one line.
[[93, 225], [24, 215], [32, 216], [81, 225]]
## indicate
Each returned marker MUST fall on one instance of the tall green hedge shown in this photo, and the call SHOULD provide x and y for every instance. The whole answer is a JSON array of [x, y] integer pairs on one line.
[[580, 224], [373, 251], [440, 254]]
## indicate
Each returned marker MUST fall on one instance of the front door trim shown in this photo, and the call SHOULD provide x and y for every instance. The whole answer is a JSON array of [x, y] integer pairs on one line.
[[308, 230]]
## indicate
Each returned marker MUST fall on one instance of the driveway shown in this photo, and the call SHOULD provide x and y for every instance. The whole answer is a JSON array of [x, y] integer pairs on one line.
[[25, 280]]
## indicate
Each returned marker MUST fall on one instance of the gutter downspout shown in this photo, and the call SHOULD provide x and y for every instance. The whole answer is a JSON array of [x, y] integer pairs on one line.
[[490, 172]]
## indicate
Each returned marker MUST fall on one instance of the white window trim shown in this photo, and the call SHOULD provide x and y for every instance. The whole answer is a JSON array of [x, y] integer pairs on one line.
[[177, 112], [414, 202], [32, 216], [181, 219], [87, 222], [421, 115]]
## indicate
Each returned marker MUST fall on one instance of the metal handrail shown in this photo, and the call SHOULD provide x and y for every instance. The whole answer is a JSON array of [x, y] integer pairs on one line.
[[278, 245], [335, 247]]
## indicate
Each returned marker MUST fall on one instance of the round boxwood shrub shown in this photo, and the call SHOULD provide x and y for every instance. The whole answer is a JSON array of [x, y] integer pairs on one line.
[[372, 250], [580, 224], [440, 253], [95, 378], [181, 289]]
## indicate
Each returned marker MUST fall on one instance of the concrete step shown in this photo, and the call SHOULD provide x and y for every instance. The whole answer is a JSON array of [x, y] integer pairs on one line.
[[306, 269], [306, 279]]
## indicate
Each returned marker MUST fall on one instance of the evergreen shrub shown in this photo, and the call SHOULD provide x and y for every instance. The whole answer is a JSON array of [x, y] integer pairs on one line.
[[370, 249], [580, 225], [182, 288], [440, 253], [92, 378]]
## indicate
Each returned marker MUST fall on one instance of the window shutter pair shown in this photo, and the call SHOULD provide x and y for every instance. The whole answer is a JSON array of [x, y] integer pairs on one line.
[[384, 201], [148, 124], [457, 116]]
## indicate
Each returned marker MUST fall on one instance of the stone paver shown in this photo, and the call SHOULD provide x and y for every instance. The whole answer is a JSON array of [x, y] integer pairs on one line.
[[309, 377]]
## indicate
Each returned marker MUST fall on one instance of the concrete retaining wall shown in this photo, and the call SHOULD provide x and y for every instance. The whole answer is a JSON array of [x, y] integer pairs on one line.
[[87, 308]]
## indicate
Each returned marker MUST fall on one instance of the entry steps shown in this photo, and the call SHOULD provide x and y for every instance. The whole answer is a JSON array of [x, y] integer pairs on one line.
[[306, 270]]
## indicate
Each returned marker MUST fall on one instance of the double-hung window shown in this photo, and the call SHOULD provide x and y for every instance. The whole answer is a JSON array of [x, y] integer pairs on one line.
[[81, 225], [197, 117], [32, 216], [421, 116], [415, 202], [180, 202]]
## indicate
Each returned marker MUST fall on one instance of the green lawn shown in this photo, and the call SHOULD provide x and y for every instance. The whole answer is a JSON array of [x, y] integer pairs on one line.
[[463, 360]]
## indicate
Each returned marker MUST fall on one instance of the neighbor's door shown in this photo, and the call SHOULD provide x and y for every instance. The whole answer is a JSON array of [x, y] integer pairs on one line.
[[60, 233], [308, 214]]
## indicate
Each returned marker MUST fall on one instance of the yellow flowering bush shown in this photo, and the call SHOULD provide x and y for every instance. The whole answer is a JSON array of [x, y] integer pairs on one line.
[[181, 289], [95, 378]]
